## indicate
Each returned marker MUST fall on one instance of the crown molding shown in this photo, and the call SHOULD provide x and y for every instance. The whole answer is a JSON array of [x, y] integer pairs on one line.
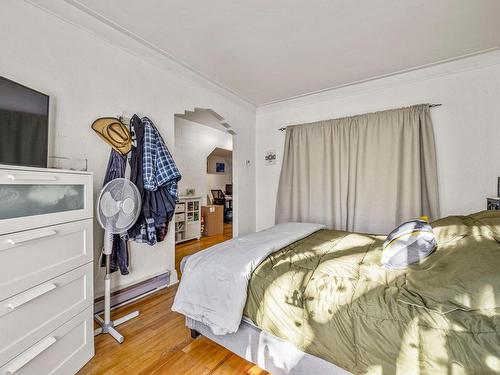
[[94, 23], [477, 60]]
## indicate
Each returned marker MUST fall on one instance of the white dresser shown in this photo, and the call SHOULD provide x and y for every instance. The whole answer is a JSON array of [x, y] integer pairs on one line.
[[46, 271]]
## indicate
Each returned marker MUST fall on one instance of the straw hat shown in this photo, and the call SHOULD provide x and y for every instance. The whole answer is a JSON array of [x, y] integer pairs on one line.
[[114, 133]]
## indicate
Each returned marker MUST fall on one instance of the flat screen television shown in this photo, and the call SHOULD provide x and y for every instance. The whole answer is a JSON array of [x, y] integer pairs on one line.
[[24, 125]]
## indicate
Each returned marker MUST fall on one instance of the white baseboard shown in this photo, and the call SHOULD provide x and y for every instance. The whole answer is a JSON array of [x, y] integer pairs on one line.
[[134, 292]]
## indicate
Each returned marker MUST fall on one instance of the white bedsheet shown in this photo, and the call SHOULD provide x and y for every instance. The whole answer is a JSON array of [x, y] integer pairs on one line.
[[213, 288]]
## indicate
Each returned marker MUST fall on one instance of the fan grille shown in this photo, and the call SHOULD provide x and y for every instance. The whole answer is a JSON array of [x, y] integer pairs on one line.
[[118, 205]]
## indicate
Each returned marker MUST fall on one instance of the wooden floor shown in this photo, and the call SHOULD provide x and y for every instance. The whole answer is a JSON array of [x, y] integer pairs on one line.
[[158, 342]]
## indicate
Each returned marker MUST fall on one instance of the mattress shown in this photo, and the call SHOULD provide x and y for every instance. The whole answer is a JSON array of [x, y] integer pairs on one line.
[[269, 352]]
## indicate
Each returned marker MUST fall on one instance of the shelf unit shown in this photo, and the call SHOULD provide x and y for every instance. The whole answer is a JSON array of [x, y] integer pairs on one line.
[[187, 219]]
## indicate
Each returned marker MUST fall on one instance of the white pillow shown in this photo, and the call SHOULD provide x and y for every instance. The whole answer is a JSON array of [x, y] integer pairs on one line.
[[409, 243]]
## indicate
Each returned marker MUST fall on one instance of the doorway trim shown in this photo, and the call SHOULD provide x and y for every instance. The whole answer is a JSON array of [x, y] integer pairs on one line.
[[220, 124]]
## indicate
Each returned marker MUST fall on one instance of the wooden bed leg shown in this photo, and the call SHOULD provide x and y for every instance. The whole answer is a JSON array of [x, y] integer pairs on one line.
[[195, 333]]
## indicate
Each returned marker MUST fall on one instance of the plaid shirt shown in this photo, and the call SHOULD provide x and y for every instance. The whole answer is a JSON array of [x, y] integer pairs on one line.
[[158, 166]]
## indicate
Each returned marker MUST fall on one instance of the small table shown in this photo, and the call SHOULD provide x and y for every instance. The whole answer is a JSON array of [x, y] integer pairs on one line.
[[493, 204]]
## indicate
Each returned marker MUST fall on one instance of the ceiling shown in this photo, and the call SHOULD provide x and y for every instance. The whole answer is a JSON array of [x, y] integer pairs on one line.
[[222, 152], [270, 50], [208, 117]]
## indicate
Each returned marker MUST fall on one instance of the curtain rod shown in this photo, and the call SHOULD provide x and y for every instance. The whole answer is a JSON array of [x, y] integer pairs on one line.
[[430, 106]]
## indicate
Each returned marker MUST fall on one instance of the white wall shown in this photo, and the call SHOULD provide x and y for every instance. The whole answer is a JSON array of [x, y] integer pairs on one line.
[[88, 77], [219, 180], [193, 144], [467, 127]]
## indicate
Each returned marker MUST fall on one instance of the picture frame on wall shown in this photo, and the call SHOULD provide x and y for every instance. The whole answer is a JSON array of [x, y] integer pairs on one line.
[[220, 167], [498, 186], [270, 157]]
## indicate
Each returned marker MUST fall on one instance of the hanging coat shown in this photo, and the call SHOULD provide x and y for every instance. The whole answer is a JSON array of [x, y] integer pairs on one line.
[[156, 175], [119, 252]]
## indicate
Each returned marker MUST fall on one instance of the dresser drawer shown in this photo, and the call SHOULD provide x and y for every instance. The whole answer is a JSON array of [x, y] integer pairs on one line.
[[34, 199], [62, 352], [31, 257], [31, 315]]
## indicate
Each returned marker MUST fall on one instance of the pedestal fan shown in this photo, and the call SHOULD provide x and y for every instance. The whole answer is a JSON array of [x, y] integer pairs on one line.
[[118, 208]]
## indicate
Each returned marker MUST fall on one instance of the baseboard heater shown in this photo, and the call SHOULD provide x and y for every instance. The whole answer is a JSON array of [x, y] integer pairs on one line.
[[133, 292]]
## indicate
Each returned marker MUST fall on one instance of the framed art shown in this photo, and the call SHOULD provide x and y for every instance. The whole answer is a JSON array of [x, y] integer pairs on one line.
[[219, 167], [270, 157]]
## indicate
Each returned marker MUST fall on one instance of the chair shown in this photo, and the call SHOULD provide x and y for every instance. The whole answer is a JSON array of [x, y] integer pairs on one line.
[[218, 197]]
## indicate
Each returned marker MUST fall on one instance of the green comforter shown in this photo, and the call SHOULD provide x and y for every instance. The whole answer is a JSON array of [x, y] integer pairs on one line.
[[329, 295]]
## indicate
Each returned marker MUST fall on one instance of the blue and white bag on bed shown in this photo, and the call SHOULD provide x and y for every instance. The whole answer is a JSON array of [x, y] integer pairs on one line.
[[409, 243]]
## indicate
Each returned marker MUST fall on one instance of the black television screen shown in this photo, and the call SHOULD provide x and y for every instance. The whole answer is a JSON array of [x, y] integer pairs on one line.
[[24, 125]]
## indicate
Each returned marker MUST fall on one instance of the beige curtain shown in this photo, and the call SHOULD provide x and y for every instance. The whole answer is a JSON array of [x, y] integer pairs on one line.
[[365, 173]]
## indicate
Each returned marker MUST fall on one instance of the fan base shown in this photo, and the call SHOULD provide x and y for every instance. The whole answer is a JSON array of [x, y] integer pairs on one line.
[[109, 327]]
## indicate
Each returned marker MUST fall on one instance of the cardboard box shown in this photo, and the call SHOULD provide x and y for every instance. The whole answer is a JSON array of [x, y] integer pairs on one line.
[[213, 217]]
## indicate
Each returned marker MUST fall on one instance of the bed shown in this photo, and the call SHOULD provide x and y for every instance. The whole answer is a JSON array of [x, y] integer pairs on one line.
[[322, 303]]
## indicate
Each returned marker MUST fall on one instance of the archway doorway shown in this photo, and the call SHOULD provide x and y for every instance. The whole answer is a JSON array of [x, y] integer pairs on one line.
[[204, 155]]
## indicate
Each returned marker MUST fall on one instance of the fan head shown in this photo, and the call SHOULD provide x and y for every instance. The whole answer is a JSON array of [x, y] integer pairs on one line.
[[118, 205]]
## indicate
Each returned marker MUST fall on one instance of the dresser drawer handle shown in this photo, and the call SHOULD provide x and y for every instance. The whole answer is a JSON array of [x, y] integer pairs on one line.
[[13, 177], [32, 237], [30, 354], [29, 295]]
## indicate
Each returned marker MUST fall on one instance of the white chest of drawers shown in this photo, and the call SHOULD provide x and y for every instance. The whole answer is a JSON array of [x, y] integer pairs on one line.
[[46, 271]]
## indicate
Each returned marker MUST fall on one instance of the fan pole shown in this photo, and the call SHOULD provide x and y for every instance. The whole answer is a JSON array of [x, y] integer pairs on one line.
[[107, 325]]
